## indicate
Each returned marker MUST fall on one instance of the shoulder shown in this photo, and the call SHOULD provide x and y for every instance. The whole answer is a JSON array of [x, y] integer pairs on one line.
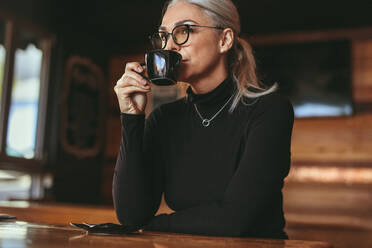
[[274, 100], [275, 106]]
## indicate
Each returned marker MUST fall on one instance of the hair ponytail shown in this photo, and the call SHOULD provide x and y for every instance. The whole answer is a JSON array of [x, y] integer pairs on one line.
[[242, 65]]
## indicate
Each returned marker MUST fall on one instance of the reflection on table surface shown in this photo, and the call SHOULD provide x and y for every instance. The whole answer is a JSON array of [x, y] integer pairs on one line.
[[22, 234]]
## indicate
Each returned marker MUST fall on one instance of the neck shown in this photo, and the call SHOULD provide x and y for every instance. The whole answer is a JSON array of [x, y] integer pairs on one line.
[[211, 80]]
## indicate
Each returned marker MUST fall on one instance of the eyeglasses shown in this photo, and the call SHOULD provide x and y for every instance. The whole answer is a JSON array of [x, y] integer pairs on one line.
[[180, 35]]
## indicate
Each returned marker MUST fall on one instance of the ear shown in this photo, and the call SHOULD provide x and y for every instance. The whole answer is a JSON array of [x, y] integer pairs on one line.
[[227, 40]]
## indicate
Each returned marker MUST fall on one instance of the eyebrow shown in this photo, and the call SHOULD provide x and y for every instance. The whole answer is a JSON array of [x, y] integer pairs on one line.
[[162, 28]]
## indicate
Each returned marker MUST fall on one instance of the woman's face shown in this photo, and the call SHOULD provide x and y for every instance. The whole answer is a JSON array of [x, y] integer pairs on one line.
[[201, 53]]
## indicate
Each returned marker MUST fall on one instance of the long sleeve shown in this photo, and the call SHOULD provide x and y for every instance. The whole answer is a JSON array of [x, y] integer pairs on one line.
[[252, 202], [137, 182]]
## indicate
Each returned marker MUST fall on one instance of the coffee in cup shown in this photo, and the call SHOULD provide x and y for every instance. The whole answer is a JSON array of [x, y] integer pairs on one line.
[[163, 66]]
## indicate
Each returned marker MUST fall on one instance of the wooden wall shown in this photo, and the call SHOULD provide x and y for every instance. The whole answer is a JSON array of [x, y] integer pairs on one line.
[[343, 141], [328, 194], [362, 71]]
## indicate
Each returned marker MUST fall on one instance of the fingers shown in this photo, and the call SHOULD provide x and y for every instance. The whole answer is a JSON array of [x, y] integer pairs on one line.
[[128, 90], [139, 79], [132, 75], [133, 66], [129, 81], [131, 89]]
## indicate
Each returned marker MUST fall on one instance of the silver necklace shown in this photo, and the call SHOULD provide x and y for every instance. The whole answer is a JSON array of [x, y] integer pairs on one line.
[[206, 122]]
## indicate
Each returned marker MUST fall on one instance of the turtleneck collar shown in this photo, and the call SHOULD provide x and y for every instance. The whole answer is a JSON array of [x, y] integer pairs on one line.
[[218, 95]]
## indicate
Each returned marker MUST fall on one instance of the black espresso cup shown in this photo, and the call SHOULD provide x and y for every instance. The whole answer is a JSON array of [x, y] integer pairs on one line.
[[163, 66]]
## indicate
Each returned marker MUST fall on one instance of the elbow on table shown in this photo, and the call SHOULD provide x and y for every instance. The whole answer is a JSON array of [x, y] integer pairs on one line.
[[134, 212], [128, 218], [133, 215]]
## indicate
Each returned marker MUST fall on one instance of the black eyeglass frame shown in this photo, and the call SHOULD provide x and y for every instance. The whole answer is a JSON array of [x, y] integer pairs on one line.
[[151, 37]]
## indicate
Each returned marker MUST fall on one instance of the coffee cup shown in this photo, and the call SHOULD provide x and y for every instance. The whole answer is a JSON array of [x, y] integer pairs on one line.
[[163, 66]]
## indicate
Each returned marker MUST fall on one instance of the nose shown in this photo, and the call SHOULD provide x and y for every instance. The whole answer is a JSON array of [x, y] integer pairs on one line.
[[171, 45]]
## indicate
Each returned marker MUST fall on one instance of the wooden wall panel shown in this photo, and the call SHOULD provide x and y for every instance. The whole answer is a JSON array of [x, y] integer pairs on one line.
[[346, 140], [362, 70]]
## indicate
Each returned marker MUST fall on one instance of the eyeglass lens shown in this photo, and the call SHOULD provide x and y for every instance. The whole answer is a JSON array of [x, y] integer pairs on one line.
[[180, 35]]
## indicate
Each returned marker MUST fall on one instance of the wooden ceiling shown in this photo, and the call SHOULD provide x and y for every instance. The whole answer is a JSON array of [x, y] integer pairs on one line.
[[256, 16], [128, 22]]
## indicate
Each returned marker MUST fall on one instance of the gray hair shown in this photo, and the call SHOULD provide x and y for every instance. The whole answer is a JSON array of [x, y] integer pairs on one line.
[[241, 62]]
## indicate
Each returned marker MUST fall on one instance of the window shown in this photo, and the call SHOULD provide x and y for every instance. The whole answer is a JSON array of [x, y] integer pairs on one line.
[[23, 110], [24, 61]]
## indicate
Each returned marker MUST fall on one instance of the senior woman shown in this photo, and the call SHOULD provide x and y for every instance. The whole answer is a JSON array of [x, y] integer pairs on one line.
[[220, 154]]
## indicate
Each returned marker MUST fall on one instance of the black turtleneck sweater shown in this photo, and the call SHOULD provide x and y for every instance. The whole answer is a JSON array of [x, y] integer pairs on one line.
[[224, 180]]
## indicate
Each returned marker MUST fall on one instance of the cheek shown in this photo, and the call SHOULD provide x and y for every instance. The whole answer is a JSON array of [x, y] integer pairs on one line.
[[204, 56], [203, 50], [200, 55]]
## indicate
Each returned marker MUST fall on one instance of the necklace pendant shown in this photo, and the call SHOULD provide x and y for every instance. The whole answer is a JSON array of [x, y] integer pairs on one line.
[[206, 122]]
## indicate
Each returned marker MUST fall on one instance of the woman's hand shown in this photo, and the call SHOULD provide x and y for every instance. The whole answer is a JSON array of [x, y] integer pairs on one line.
[[131, 90]]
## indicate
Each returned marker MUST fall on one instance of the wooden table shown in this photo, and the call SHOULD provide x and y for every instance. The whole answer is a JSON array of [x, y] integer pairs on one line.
[[57, 214], [19, 233]]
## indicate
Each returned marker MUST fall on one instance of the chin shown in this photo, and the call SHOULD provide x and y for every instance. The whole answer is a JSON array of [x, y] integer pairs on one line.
[[182, 77], [185, 74]]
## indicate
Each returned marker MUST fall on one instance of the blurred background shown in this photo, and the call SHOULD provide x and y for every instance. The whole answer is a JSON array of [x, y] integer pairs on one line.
[[59, 119]]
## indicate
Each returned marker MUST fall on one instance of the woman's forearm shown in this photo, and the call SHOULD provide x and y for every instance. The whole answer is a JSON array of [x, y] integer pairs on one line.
[[136, 182]]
